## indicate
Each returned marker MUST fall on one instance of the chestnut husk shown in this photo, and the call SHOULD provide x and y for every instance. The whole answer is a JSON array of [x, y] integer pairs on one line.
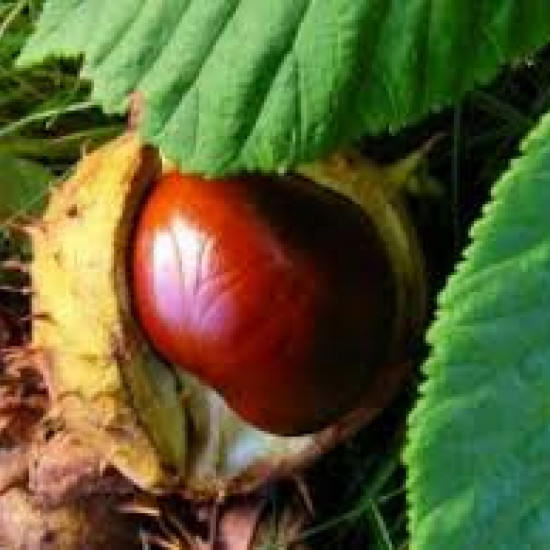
[[156, 428]]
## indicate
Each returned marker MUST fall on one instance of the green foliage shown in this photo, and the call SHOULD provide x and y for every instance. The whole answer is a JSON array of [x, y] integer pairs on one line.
[[45, 120], [258, 84], [479, 445], [23, 186]]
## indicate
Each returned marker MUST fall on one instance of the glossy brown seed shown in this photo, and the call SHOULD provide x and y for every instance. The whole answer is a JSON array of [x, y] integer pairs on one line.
[[273, 291]]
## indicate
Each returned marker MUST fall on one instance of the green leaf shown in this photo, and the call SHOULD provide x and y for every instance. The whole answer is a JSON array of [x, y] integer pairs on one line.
[[23, 186], [478, 454], [264, 84]]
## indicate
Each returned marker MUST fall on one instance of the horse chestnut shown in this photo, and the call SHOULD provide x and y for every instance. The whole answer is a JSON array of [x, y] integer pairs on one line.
[[275, 292]]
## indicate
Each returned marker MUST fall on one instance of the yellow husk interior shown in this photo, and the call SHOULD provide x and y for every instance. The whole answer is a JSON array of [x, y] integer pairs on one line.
[[78, 323]]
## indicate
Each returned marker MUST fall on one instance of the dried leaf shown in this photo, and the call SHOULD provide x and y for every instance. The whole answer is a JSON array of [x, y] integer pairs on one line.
[[90, 525]]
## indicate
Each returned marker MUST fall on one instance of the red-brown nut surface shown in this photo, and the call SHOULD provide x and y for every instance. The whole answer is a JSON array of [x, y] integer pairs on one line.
[[273, 291]]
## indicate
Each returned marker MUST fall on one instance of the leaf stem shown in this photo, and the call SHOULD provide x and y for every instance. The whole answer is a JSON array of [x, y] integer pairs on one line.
[[11, 17], [44, 115], [455, 176]]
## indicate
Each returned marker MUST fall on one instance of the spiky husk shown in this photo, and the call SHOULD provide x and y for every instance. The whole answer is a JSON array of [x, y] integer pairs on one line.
[[113, 420], [160, 428]]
